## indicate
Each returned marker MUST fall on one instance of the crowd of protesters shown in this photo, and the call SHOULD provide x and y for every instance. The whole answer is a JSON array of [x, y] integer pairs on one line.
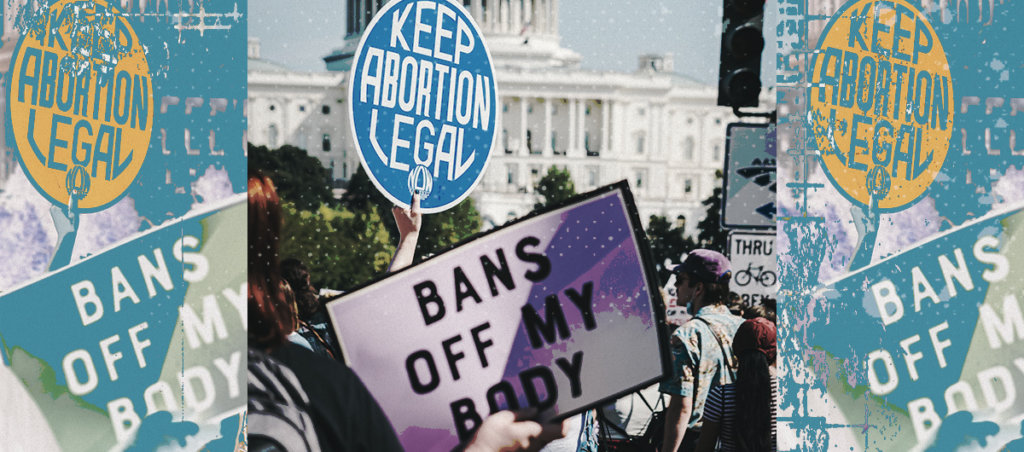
[[303, 396]]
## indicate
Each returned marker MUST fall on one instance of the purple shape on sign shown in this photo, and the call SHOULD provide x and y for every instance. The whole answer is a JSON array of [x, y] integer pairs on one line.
[[596, 239]]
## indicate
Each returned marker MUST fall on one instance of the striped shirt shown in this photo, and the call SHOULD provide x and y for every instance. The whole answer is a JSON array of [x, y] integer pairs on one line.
[[721, 408]]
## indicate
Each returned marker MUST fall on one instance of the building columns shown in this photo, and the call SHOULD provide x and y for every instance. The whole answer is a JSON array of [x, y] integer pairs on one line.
[[554, 17], [581, 127], [528, 14], [571, 143], [516, 16], [504, 17], [605, 105], [476, 10], [548, 148], [523, 126]]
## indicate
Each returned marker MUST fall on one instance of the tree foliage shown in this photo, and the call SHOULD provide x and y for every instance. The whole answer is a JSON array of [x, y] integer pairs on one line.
[[298, 177], [556, 186], [341, 248], [361, 193], [712, 235], [668, 242], [441, 230]]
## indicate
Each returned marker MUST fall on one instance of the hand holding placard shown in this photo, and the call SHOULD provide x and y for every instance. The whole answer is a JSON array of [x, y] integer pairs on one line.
[[409, 222], [506, 431]]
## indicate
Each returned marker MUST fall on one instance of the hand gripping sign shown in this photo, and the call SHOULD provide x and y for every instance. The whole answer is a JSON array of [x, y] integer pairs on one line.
[[559, 311], [423, 102]]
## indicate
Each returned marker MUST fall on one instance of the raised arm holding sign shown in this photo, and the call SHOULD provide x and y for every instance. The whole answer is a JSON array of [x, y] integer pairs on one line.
[[409, 222]]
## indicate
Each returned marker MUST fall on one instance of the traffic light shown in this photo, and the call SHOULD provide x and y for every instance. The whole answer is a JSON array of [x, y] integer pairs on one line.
[[739, 73]]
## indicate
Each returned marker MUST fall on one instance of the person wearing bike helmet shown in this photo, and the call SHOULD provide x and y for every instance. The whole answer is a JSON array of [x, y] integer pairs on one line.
[[701, 348]]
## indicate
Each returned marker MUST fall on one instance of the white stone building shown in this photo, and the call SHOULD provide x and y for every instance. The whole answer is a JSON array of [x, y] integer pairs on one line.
[[657, 129]]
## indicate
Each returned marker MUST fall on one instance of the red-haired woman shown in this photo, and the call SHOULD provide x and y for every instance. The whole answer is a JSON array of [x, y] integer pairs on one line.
[[342, 412], [742, 414]]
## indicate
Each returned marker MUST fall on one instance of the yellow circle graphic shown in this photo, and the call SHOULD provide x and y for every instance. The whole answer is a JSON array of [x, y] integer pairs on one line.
[[881, 103], [81, 103]]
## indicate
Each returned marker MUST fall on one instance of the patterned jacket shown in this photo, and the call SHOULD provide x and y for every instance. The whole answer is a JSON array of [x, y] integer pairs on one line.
[[698, 360]]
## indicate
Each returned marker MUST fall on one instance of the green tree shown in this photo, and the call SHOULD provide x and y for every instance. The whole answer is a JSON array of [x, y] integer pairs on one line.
[[667, 243], [439, 231], [712, 235], [361, 192], [341, 248], [556, 186], [444, 229], [299, 178]]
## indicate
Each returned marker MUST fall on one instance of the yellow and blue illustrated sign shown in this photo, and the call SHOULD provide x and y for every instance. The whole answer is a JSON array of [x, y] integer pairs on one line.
[[881, 103], [81, 103], [423, 102], [127, 122]]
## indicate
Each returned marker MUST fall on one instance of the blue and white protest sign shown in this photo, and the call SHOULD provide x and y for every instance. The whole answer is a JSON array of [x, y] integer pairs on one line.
[[423, 102]]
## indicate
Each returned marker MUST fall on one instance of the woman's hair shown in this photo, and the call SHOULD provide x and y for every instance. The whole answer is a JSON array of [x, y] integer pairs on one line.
[[271, 314], [307, 300], [755, 347], [754, 402]]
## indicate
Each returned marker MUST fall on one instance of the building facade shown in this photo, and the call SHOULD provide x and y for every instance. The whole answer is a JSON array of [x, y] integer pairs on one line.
[[659, 130]]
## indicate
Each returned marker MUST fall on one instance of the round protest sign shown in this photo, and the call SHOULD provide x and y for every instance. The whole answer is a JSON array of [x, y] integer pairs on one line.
[[423, 102], [881, 103], [81, 103]]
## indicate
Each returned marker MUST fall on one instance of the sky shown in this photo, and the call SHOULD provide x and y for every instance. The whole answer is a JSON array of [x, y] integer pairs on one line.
[[609, 34]]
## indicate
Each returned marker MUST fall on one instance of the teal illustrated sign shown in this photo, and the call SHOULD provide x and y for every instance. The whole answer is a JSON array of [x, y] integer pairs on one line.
[[155, 324], [900, 225], [939, 330]]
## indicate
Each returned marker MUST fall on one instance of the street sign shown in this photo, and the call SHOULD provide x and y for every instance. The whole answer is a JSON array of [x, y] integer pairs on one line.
[[675, 313], [749, 190], [423, 102], [755, 273], [558, 311]]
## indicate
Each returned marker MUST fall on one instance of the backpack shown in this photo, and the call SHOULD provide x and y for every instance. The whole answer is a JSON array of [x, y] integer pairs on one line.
[[278, 412]]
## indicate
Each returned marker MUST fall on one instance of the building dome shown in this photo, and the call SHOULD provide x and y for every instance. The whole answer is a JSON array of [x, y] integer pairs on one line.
[[520, 33]]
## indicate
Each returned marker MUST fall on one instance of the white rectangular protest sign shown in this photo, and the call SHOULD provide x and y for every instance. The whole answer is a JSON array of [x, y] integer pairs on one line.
[[558, 311]]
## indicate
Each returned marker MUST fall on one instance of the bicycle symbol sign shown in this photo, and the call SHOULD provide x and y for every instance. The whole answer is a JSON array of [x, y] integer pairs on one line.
[[758, 274], [754, 270]]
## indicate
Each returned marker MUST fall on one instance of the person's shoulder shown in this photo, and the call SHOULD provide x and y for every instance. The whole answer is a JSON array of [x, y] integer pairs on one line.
[[688, 336], [735, 321], [306, 362], [727, 319], [686, 330]]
